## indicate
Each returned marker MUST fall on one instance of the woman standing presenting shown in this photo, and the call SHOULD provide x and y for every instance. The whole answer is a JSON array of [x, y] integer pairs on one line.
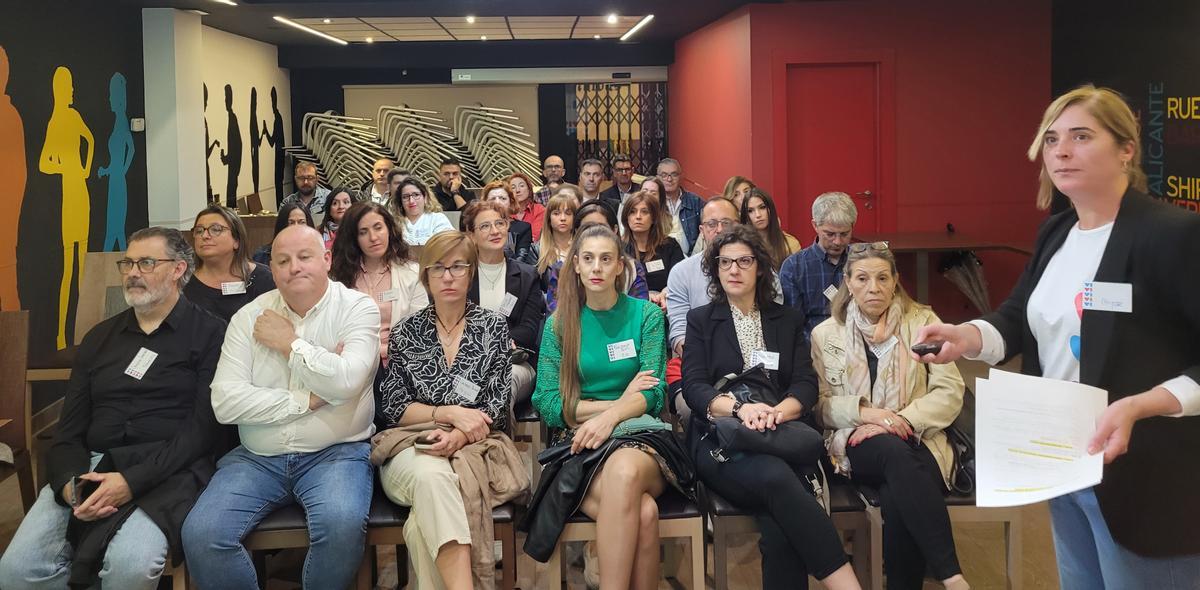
[[1136, 529]]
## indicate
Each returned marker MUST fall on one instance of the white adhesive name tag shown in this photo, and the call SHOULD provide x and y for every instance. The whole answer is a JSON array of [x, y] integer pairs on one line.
[[141, 363], [465, 389], [830, 291], [621, 350], [507, 304], [655, 266], [769, 360], [1116, 297], [389, 295], [879, 350], [233, 288]]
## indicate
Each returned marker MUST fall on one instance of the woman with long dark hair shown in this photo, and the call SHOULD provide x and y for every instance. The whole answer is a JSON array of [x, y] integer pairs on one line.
[[647, 242], [759, 212], [339, 201]]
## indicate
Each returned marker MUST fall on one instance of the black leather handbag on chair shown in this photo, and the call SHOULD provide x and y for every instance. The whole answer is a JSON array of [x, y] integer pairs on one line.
[[794, 441]]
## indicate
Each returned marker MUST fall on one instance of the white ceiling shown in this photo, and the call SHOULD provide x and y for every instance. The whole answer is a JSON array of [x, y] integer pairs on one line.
[[498, 28]]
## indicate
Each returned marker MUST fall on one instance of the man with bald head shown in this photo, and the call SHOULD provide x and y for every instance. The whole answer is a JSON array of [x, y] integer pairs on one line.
[[553, 171], [378, 191], [295, 376]]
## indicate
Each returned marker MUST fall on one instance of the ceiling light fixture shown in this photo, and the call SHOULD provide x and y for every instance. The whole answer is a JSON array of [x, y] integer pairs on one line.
[[595, 36], [612, 18], [292, 23], [327, 21], [470, 19], [229, 2], [370, 39], [483, 37], [639, 25], [200, 12]]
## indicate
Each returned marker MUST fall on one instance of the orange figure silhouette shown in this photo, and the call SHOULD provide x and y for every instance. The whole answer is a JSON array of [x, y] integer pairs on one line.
[[12, 170], [61, 156]]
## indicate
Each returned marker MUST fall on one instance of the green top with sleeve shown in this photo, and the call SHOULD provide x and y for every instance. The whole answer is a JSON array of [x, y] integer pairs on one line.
[[635, 320]]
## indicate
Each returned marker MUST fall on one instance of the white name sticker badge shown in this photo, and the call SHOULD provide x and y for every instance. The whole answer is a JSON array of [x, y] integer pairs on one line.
[[233, 288], [768, 359], [507, 304], [830, 291], [141, 363], [389, 295], [655, 266], [1116, 297], [465, 389], [622, 350]]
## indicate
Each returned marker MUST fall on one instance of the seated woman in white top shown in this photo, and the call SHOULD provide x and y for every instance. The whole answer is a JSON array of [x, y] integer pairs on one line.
[[422, 215], [371, 256]]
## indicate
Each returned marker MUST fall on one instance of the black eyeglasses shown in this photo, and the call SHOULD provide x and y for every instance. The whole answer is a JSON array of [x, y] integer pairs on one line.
[[215, 230], [743, 262], [860, 247], [145, 265], [457, 271], [721, 223]]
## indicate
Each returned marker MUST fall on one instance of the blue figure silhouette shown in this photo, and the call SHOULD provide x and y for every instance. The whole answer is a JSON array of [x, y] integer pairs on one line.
[[120, 156]]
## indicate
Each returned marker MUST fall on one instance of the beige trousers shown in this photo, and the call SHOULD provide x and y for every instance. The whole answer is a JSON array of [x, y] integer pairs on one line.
[[522, 382], [428, 485]]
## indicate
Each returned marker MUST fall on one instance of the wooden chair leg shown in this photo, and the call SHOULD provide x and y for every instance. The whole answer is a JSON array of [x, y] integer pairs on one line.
[[720, 554], [876, 517], [508, 563], [179, 577], [401, 566], [24, 469], [554, 569], [1012, 538], [696, 540], [363, 578]]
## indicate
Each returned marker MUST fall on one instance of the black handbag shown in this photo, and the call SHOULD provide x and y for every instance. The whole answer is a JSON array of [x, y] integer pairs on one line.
[[795, 442]]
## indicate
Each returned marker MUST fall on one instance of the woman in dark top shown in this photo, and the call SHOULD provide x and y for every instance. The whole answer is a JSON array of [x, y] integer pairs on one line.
[[520, 234], [647, 242], [290, 214], [741, 328], [225, 278]]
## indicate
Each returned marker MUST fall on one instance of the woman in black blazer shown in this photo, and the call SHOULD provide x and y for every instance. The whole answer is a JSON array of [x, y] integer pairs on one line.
[[520, 234], [508, 287], [740, 328], [1138, 527]]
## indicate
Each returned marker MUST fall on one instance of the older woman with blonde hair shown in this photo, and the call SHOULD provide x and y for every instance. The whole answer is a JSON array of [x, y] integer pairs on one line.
[[1137, 528], [884, 414]]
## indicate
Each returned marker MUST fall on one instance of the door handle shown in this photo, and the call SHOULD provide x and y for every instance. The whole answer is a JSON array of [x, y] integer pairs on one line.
[[867, 194], [870, 204]]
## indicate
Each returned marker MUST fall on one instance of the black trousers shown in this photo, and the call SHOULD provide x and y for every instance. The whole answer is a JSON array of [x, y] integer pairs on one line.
[[916, 530], [798, 538]]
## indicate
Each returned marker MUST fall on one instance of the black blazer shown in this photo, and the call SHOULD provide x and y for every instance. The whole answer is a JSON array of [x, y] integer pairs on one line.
[[520, 242], [612, 195], [670, 253], [1148, 496], [525, 321], [712, 352]]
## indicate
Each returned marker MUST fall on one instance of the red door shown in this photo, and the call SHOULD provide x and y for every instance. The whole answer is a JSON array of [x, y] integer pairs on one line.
[[833, 141]]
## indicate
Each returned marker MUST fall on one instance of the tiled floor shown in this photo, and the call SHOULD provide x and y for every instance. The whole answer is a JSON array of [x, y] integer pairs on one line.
[[980, 547]]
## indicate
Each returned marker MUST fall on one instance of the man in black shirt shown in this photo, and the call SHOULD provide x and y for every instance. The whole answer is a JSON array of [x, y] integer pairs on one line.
[[136, 439], [450, 192]]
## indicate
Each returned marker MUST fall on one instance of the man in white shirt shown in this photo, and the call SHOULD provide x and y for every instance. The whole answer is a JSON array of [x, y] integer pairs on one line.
[[295, 376]]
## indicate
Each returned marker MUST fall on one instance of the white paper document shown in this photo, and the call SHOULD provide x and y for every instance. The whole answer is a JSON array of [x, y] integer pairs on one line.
[[1031, 437]]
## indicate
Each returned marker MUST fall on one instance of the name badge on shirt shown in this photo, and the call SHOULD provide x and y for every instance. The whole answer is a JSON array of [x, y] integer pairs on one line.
[[622, 350], [141, 363], [883, 347], [233, 288], [1116, 297], [655, 266], [507, 304], [465, 389], [389, 295], [830, 291], [768, 359]]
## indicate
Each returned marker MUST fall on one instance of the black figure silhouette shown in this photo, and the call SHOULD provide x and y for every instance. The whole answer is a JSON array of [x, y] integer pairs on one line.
[[209, 146], [275, 140], [231, 154], [255, 138]]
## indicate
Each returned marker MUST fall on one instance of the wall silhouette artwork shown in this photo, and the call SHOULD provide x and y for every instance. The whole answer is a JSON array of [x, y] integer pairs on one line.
[[12, 170], [209, 146], [275, 140], [120, 157], [231, 154], [256, 139], [61, 156]]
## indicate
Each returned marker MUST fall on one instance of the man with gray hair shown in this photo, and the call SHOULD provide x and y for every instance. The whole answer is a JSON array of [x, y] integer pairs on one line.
[[136, 441], [812, 276], [683, 206]]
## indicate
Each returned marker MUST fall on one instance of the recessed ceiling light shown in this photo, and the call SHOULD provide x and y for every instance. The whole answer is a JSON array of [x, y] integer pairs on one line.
[[595, 36], [483, 37], [292, 23], [370, 39], [639, 25], [471, 19], [327, 21], [612, 18], [229, 2], [200, 12]]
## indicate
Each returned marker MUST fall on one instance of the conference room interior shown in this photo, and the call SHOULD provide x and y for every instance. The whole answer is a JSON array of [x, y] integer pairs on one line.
[[921, 110]]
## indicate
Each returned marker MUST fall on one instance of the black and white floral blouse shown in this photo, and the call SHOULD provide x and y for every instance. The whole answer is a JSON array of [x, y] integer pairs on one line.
[[417, 371]]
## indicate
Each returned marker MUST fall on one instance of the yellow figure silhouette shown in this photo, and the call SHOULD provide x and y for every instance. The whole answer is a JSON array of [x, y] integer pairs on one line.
[[61, 156]]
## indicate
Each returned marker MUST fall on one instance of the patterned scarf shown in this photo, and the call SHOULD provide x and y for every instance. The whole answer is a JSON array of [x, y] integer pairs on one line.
[[889, 391]]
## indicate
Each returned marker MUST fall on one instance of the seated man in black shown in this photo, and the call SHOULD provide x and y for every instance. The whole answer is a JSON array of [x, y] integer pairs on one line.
[[450, 192], [136, 439]]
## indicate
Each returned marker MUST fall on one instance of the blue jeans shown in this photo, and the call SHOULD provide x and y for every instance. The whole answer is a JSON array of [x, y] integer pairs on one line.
[[1089, 558], [40, 557], [333, 486]]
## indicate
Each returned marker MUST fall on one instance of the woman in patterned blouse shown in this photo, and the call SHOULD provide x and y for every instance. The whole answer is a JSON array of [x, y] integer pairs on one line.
[[447, 363]]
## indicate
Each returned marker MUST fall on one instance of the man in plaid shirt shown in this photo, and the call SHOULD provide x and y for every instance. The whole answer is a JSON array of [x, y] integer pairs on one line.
[[553, 170], [811, 276]]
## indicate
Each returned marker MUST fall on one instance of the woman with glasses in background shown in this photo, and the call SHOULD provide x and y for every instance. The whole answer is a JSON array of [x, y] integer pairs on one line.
[[759, 212], [519, 245], [225, 277], [422, 214]]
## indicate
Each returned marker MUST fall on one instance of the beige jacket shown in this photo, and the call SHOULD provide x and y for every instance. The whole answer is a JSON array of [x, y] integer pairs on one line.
[[935, 391]]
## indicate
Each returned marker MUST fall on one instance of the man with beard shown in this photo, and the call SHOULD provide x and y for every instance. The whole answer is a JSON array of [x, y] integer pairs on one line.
[[553, 171], [450, 192], [136, 440], [296, 376], [309, 194]]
